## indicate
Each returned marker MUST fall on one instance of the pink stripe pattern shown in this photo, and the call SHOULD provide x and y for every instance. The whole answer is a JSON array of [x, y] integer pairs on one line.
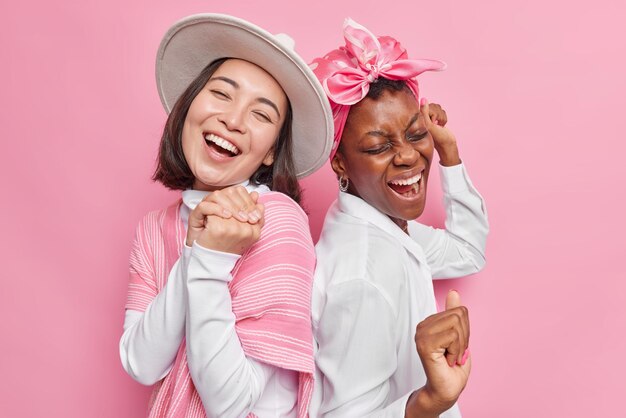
[[270, 290]]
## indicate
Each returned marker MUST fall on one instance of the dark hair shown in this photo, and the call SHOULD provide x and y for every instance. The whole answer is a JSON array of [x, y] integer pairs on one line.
[[172, 169], [378, 87]]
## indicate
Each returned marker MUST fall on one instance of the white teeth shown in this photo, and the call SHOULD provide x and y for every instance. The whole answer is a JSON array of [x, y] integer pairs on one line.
[[221, 142], [406, 182]]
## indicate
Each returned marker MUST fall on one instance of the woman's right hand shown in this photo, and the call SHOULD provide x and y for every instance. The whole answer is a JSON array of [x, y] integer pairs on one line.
[[442, 340], [232, 202], [443, 138], [230, 235]]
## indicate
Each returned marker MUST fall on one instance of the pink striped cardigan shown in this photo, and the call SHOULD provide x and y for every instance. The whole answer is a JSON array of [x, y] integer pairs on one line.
[[272, 322]]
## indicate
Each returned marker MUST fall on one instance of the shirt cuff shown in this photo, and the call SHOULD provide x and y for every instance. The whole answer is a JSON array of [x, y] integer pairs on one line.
[[398, 407], [186, 253], [212, 264], [454, 179]]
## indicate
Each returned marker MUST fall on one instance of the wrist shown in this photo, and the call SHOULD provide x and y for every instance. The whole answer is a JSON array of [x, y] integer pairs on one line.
[[424, 404], [448, 154], [421, 405]]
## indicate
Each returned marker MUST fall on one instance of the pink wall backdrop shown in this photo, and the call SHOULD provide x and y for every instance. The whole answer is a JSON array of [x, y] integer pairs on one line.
[[535, 92]]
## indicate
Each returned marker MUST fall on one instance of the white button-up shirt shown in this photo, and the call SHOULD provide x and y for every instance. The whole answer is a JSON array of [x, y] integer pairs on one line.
[[373, 285]]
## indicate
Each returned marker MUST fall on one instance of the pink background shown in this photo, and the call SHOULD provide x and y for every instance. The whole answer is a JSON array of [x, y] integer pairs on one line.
[[535, 92]]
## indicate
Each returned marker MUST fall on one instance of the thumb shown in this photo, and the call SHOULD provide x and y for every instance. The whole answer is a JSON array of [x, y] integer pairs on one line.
[[196, 218], [453, 300], [261, 208]]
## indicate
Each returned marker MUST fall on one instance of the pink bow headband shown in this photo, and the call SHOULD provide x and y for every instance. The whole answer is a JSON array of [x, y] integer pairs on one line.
[[347, 72]]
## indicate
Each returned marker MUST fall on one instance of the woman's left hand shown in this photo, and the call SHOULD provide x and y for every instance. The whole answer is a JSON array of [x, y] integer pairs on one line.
[[231, 202], [444, 140], [442, 340]]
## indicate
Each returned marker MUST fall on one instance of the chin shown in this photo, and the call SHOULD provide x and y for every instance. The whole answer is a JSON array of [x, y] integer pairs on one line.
[[412, 215]]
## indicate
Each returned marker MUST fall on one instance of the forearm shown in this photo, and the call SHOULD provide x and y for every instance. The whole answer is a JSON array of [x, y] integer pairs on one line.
[[152, 338], [448, 154], [227, 382]]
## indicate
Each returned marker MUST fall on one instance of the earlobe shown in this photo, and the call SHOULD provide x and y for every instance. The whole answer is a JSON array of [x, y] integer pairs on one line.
[[338, 166], [269, 158]]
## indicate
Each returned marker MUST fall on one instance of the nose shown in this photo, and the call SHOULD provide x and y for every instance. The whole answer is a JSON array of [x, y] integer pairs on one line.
[[233, 119], [406, 154]]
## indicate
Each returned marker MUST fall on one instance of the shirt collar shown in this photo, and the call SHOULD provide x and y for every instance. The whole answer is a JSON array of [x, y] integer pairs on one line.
[[359, 208]]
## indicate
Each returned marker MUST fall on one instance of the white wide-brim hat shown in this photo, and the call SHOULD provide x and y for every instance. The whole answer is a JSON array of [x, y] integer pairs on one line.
[[195, 41]]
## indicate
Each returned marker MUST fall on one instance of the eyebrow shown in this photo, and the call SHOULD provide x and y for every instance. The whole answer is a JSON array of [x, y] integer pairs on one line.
[[269, 103], [384, 135], [227, 80], [412, 121], [258, 100], [376, 133]]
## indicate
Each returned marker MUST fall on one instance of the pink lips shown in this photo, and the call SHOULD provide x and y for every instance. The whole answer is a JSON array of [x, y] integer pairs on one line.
[[216, 153]]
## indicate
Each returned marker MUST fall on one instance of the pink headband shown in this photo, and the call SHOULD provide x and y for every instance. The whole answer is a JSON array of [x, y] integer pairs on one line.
[[347, 72]]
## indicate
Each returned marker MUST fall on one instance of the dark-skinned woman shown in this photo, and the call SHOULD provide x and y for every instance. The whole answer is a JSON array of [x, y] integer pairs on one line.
[[382, 348]]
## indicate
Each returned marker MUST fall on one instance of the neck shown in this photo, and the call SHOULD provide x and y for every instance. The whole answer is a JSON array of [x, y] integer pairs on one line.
[[198, 185], [402, 224]]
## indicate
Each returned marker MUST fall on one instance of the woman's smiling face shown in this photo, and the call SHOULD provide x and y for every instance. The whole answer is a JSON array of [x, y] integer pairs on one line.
[[385, 153], [232, 125]]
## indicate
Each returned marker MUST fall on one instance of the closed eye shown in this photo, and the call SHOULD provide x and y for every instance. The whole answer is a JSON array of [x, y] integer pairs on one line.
[[220, 94], [262, 116], [378, 149], [418, 136]]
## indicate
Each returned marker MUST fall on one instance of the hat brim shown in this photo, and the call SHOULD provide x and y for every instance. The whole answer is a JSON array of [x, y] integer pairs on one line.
[[195, 41]]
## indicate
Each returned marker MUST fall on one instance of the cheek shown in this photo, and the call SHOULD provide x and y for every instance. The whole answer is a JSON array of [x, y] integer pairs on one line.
[[261, 146], [426, 148], [264, 137], [187, 141], [367, 172], [204, 106], [195, 109]]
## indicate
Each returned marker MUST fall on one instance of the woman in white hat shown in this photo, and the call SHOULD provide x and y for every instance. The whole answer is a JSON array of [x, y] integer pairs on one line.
[[218, 310]]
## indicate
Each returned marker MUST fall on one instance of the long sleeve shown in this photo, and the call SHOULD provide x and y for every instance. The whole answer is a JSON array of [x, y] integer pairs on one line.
[[357, 354], [459, 249], [151, 338], [228, 382], [271, 294]]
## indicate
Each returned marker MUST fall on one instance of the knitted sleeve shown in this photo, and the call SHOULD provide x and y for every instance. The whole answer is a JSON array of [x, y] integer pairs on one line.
[[142, 286]]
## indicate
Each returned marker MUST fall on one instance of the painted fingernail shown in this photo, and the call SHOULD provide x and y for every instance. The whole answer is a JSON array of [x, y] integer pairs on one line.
[[423, 101], [466, 354]]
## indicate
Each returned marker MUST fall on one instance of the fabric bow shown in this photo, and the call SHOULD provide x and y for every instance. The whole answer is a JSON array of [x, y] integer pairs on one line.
[[347, 72]]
